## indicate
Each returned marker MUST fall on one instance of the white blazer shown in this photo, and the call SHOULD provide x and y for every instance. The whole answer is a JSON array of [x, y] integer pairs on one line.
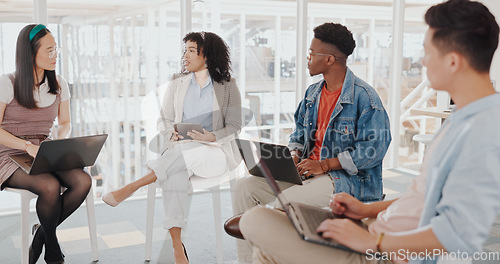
[[226, 113]]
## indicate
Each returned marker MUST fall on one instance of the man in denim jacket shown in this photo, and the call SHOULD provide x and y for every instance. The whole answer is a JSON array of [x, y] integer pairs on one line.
[[341, 136], [355, 135], [448, 211]]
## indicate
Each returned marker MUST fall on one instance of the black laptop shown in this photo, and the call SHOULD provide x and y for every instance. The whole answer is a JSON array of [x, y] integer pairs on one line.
[[62, 154], [277, 157]]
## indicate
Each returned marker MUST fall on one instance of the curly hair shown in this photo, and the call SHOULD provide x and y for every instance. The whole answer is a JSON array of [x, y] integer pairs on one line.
[[466, 27], [216, 53], [336, 35]]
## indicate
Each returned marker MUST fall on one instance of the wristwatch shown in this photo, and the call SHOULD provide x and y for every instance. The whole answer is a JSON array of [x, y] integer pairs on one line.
[[26, 144]]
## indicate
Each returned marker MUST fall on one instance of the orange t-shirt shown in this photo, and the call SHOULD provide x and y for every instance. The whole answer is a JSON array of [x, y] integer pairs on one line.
[[327, 103]]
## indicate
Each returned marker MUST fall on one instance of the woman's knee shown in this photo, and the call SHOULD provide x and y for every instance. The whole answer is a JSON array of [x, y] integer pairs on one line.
[[80, 180], [48, 187], [84, 181]]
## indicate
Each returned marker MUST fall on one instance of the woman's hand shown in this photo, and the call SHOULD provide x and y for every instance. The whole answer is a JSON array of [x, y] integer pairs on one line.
[[349, 234], [175, 136], [309, 167], [32, 149], [205, 136]]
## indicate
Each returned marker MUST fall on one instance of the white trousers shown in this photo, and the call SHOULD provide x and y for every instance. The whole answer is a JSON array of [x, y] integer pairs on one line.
[[173, 170], [252, 191]]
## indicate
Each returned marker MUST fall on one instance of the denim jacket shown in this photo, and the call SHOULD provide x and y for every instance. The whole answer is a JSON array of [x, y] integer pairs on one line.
[[358, 135]]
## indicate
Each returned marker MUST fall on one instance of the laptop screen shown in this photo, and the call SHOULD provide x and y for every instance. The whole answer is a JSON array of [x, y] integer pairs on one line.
[[277, 157]]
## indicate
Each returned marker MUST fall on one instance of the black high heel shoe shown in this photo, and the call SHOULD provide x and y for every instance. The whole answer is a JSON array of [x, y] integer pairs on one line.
[[56, 262], [34, 255], [185, 252]]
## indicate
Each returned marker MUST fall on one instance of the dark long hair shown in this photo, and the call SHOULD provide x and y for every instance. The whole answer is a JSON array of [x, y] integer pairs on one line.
[[216, 52], [24, 82]]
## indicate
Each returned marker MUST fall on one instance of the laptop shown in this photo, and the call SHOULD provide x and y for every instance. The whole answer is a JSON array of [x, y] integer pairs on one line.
[[304, 218], [62, 154], [277, 157]]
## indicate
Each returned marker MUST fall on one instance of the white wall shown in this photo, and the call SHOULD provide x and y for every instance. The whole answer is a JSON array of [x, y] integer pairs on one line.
[[494, 7]]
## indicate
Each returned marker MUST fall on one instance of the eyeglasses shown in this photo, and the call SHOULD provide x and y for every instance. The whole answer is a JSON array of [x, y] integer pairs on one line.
[[321, 54], [54, 52]]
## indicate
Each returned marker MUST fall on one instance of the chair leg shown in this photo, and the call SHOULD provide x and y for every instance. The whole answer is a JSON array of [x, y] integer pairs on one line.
[[218, 223], [25, 225], [89, 201], [150, 214]]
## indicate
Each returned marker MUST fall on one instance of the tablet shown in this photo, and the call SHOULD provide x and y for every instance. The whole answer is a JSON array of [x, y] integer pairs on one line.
[[183, 128]]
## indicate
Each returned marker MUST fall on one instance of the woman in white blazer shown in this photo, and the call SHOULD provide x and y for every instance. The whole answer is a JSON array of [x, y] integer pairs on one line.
[[203, 93]]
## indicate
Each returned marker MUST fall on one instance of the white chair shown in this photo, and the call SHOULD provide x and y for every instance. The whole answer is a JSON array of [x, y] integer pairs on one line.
[[26, 197], [198, 183], [151, 106], [425, 139]]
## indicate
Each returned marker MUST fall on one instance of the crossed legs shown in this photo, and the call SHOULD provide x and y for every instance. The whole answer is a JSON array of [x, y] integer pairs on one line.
[[172, 171], [253, 191], [52, 207]]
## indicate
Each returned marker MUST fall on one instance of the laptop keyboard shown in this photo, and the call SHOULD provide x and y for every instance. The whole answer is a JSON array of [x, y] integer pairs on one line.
[[314, 217], [29, 162]]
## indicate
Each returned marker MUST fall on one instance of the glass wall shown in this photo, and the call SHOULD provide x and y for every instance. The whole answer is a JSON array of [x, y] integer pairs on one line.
[[119, 67], [119, 62]]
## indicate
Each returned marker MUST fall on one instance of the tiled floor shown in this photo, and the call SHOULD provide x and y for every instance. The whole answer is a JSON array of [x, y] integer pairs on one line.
[[121, 230], [121, 233]]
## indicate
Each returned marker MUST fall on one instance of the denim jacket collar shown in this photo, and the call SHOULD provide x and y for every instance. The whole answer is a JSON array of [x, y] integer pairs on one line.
[[347, 94]]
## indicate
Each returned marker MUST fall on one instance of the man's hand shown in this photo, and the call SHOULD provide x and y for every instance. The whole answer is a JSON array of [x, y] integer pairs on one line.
[[345, 204], [309, 167], [349, 234], [205, 136], [296, 156]]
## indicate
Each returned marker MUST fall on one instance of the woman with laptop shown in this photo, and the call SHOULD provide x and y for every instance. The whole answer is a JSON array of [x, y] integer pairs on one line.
[[204, 93], [30, 100]]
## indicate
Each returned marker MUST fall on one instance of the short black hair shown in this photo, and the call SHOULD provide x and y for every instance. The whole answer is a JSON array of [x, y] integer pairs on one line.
[[467, 27], [337, 35], [216, 52]]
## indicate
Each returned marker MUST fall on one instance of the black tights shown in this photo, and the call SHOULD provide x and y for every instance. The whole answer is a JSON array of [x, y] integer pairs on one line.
[[52, 207]]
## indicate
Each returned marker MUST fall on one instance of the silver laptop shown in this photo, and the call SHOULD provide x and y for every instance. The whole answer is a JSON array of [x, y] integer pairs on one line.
[[62, 154], [304, 218], [277, 157]]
